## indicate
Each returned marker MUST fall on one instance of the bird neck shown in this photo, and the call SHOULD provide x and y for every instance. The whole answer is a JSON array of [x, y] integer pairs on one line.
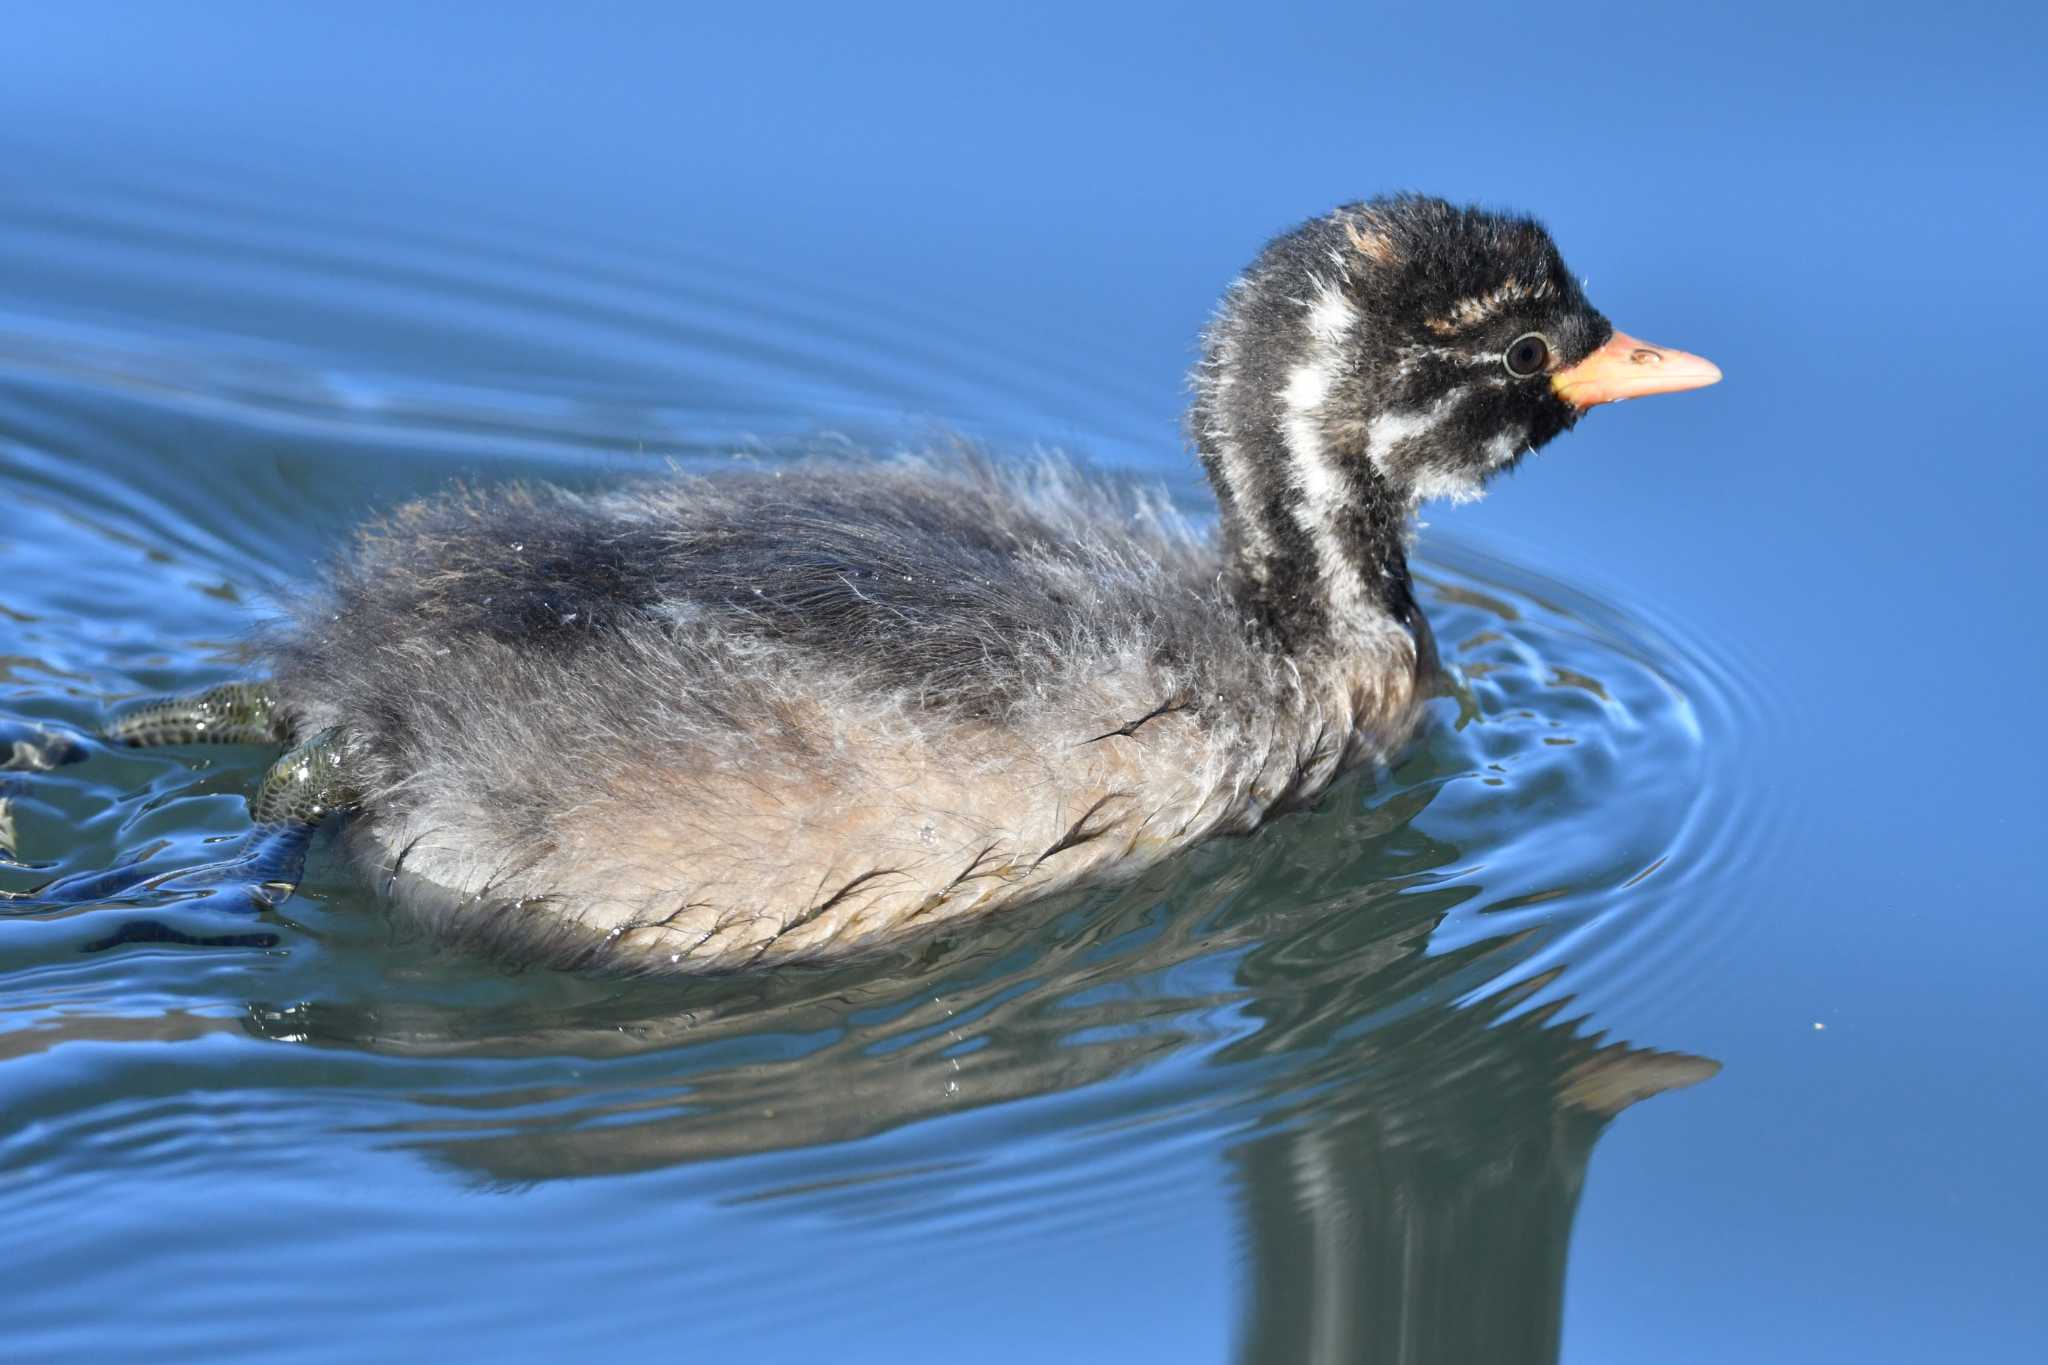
[[1314, 540], [1319, 568]]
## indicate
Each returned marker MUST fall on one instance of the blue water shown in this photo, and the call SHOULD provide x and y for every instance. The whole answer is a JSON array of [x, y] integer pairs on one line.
[[1743, 764]]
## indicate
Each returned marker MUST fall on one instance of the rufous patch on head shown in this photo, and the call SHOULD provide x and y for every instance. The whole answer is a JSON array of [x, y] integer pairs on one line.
[[1367, 238], [1481, 308]]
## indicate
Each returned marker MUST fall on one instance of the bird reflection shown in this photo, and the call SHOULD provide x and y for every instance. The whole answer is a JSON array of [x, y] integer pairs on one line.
[[1413, 1164], [1423, 1211]]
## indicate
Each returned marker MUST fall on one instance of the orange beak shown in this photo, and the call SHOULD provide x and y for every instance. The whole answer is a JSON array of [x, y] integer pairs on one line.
[[1627, 368]]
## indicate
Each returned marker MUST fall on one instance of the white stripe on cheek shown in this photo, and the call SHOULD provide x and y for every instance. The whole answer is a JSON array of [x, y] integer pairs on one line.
[[1389, 429], [1465, 484]]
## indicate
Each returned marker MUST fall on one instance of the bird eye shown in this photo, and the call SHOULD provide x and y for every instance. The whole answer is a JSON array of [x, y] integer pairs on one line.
[[1527, 354]]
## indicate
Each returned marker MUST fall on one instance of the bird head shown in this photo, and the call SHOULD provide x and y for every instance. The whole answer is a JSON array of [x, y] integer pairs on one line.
[[1433, 343], [1382, 355]]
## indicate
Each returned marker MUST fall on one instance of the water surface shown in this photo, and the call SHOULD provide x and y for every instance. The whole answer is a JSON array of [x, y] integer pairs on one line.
[[1366, 1027], [1364, 1086]]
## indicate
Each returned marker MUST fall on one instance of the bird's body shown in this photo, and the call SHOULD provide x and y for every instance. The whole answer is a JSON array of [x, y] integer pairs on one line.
[[750, 718]]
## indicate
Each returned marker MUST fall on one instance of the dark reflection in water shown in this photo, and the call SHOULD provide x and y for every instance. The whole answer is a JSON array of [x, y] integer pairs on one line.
[[1406, 1189], [1423, 1212]]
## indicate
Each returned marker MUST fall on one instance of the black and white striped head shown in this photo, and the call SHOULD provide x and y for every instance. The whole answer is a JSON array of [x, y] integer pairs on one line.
[[1389, 353]]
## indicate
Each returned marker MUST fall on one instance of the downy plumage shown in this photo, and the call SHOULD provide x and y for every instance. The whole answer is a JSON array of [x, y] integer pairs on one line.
[[748, 718]]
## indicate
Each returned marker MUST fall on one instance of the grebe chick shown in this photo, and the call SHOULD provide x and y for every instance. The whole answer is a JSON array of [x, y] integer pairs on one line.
[[713, 722]]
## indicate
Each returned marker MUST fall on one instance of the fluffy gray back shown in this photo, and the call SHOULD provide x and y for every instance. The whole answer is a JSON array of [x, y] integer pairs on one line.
[[566, 622]]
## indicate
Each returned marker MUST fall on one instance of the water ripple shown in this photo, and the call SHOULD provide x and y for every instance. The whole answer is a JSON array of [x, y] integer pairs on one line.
[[1407, 971]]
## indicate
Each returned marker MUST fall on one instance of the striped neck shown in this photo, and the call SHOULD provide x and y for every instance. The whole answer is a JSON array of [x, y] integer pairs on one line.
[[1315, 540]]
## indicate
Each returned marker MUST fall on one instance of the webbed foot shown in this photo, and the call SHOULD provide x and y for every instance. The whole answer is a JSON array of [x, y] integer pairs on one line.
[[236, 713], [299, 792]]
